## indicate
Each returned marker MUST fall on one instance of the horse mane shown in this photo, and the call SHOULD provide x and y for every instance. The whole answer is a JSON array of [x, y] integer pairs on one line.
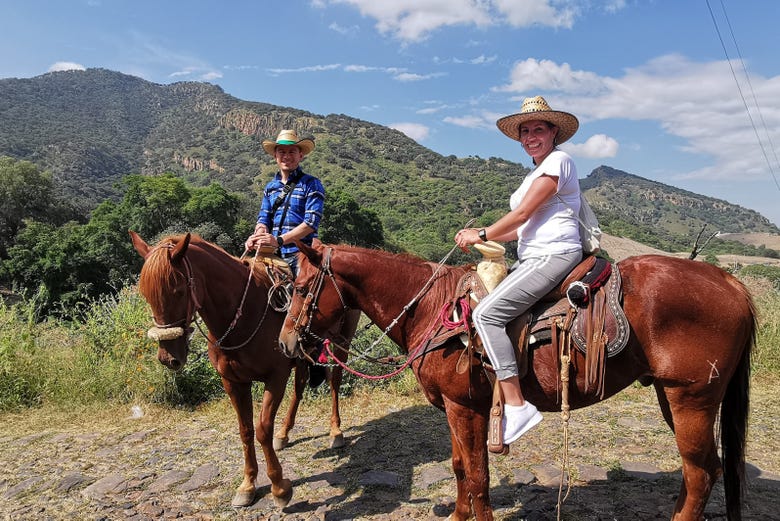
[[158, 277], [446, 279]]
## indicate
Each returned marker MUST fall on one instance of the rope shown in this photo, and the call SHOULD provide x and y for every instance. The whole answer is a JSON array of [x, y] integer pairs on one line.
[[409, 360], [419, 293], [565, 357], [444, 315]]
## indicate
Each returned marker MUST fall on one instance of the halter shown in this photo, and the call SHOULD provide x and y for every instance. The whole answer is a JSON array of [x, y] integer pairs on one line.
[[302, 324], [174, 330]]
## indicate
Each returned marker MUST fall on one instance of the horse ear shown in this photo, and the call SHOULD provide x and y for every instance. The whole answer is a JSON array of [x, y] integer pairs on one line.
[[180, 249], [314, 256], [139, 244]]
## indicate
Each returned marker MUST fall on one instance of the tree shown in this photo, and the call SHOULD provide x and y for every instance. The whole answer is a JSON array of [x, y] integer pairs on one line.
[[345, 221], [25, 193], [154, 204]]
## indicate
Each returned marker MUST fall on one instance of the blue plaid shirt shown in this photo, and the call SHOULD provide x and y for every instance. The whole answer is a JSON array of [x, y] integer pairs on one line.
[[306, 202]]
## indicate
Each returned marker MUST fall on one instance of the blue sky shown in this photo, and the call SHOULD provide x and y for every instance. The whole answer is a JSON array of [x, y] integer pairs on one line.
[[648, 79]]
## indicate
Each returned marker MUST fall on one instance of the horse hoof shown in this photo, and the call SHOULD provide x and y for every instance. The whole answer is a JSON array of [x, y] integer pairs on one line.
[[283, 500], [243, 498], [280, 443], [336, 442]]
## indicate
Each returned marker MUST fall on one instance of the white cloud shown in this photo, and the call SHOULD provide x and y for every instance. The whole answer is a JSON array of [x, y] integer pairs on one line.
[[196, 73], [310, 68], [415, 131], [211, 75], [471, 121], [482, 59], [525, 13], [414, 20], [408, 76], [344, 31], [596, 146], [66, 66], [368, 68], [485, 120], [533, 74]]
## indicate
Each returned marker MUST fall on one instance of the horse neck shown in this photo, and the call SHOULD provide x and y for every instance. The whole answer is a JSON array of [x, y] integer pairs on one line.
[[220, 281], [382, 286]]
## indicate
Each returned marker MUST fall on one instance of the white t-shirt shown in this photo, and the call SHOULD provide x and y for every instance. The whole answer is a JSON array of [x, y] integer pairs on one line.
[[553, 228]]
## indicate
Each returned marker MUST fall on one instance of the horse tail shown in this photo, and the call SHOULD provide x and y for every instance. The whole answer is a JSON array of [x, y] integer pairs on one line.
[[734, 422]]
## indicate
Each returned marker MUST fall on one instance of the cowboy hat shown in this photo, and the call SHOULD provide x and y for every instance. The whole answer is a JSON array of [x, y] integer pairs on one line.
[[536, 108], [289, 137]]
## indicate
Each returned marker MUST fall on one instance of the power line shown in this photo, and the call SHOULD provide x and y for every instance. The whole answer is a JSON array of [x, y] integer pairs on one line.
[[747, 109], [750, 84]]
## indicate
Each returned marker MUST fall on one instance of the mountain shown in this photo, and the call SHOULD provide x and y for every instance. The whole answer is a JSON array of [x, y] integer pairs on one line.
[[90, 128]]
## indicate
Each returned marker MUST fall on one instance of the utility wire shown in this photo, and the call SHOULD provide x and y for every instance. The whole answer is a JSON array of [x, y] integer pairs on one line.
[[750, 84], [747, 109]]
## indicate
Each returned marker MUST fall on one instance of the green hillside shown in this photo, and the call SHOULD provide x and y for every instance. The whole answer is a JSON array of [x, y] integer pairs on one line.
[[90, 128]]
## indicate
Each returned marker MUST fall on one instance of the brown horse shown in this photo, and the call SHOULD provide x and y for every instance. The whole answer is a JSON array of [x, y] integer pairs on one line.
[[692, 331], [185, 275]]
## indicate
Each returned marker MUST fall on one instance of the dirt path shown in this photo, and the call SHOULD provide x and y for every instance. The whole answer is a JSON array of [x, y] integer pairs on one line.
[[110, 465]]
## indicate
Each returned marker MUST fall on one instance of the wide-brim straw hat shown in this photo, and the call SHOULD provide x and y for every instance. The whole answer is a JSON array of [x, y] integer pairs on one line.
[[289, 137], [536, 108]]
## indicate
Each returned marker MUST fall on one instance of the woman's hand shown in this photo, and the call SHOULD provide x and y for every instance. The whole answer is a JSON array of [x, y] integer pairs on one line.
[[466, 237]]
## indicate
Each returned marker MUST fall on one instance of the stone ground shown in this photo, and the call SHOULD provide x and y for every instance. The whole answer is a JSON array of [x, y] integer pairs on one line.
[[153, 463]]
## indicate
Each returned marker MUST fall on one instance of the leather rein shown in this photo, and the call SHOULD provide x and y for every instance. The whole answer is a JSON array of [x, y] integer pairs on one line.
[[302, 323], [176, 329]]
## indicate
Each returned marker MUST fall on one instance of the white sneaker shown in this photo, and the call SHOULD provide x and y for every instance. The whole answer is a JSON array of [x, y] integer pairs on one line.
[[518, 419]]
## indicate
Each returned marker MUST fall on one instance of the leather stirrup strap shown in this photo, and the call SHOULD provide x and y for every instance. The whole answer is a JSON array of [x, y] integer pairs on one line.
[[495, 431]]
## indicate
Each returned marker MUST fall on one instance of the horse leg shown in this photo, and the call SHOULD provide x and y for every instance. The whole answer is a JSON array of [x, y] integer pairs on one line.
[[663, 402], [343, 338], [468, 432], [336, 435], [241, 397], [282, 438], [701, 468], [281, 488]]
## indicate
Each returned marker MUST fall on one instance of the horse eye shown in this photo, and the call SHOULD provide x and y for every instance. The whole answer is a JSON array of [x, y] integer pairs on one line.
[[300, 290]]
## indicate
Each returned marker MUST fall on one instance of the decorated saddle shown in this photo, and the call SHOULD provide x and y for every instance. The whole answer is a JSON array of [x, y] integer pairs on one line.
[[585, 310]]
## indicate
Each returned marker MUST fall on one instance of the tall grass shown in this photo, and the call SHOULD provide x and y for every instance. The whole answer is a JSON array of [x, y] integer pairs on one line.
[[104, 356], [766, 356]]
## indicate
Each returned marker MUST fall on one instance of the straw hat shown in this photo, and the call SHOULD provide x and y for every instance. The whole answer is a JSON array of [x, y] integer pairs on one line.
[[289, 137], [536, 108]]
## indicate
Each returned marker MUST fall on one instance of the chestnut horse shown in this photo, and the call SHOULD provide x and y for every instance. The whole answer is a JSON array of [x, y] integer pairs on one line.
[[185, 275], [692, 331]]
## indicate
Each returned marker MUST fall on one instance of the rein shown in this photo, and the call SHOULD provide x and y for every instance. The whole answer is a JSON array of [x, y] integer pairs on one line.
[[302, 324]]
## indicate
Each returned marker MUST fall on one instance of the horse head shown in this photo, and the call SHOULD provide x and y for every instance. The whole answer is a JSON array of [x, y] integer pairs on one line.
[[167, 284], [317, 308]]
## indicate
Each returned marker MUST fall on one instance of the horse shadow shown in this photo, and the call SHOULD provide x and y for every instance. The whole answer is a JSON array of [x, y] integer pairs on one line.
[[378, 473], [374, 473], [625, 495]]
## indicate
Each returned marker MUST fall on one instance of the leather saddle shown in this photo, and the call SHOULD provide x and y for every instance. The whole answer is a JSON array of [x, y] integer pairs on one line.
[[591, 294]]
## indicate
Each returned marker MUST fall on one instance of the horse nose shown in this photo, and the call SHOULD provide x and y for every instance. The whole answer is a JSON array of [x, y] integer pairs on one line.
[[169, 361], [288, 343]]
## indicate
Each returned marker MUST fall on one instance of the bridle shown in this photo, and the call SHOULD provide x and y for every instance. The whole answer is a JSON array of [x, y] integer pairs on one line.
[[302, 322], [177, 329]]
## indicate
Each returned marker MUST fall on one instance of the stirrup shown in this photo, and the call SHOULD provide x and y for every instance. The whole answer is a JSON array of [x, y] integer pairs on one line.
[[495, 440]]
